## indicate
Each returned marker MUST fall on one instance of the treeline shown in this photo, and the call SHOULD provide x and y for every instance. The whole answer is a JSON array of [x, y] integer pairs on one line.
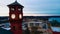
[[4, 20], [55, 23]]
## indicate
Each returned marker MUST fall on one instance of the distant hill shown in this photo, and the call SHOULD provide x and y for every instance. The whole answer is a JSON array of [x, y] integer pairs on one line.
[[4, 19]]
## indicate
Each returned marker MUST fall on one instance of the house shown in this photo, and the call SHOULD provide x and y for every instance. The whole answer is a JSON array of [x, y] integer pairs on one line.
[[40, 22]]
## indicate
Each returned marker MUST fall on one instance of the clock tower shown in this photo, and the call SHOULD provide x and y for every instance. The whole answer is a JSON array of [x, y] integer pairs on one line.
[[16, 17]]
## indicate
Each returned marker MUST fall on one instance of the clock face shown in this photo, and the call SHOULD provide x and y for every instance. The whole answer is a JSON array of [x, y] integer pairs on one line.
[[20, 16], [13, 16]]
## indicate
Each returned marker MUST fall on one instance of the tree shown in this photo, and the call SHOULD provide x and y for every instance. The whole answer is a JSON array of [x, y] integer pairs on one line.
[[55, 23]]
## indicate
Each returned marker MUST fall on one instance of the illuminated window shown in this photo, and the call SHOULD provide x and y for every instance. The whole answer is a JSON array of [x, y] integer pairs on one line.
[[12, 9], [19, 9]]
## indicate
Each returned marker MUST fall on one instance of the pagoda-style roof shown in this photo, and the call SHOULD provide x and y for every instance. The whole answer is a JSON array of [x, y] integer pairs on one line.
[[15, 4]]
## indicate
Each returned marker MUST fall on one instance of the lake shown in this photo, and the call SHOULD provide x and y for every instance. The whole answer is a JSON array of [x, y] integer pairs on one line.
[[56, 29]]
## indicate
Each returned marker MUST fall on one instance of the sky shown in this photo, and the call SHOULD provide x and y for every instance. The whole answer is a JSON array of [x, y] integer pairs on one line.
[[33, 6]]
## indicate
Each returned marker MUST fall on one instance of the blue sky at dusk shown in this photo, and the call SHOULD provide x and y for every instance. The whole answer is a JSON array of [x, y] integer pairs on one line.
[[34, 6]]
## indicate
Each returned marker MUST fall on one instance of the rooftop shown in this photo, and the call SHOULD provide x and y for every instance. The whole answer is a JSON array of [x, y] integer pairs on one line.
[[15, 4]]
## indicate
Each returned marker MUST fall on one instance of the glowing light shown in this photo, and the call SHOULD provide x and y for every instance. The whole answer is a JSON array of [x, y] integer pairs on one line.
[[13, 16]]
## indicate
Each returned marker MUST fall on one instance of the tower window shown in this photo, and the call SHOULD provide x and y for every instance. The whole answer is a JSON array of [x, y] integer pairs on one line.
[[12, 9], [19, 9]]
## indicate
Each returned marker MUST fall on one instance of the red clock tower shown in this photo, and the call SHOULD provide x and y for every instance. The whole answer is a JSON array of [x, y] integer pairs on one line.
[[16, 17]]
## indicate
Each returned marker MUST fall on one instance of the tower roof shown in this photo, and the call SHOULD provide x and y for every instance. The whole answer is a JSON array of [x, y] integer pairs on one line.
[[15, 4]]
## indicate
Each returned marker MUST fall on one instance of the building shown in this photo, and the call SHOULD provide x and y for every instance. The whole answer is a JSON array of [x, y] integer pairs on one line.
[[39, 22], [16, 17]]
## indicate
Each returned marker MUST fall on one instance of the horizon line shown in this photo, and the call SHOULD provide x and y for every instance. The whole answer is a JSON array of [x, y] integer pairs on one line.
[[33, 14]]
